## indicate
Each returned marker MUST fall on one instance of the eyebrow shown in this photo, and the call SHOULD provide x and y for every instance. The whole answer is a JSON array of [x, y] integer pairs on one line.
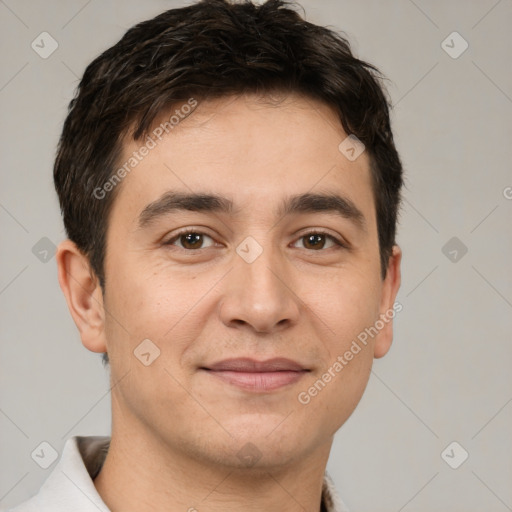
[[302, 203]]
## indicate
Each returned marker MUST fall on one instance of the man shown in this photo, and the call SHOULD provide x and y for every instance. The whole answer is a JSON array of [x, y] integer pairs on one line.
[[230, 186]]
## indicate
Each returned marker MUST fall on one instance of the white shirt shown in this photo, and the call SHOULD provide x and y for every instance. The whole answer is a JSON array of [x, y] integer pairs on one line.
[[70, 485]]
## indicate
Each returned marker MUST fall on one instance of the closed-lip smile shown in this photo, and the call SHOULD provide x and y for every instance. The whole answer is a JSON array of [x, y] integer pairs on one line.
[[257, 376]]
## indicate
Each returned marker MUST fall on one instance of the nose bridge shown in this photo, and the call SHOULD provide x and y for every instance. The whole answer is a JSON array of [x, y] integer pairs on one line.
[[259, 293], [260, 269]]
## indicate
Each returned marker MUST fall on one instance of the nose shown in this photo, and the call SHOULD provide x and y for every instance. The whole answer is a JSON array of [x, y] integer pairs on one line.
[[259, 296]]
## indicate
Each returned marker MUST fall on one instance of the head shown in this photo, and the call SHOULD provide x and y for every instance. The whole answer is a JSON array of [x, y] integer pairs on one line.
[[246, 108]]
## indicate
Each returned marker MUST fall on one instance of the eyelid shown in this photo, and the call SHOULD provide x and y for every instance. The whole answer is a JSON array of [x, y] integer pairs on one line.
[[338, 241], [186, 231]]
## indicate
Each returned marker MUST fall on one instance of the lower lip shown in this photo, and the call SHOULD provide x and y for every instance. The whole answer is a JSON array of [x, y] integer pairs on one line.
[[259, 381]]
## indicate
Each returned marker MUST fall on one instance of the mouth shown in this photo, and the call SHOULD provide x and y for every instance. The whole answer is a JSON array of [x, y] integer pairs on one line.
[[257, 376]]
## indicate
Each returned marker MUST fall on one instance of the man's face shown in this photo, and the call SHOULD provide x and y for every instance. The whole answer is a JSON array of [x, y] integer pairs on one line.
[[251, 282]]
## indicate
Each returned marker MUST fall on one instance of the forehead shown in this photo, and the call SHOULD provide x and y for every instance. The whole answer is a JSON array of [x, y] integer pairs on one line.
[[250, 149]]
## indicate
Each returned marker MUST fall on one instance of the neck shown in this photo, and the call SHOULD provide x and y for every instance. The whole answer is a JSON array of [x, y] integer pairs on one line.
[[149, 474]]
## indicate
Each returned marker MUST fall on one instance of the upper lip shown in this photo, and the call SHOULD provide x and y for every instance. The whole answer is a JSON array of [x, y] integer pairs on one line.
[[247, 364]]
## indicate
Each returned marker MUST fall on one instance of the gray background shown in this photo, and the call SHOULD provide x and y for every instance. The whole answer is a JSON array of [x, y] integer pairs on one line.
[[447, 377]]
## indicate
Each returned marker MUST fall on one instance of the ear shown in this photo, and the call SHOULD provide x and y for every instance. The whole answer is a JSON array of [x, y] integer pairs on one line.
[[388, 309], [83, 295]]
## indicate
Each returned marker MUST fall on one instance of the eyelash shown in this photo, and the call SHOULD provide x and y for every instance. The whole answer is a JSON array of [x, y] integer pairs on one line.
[[338, 243]]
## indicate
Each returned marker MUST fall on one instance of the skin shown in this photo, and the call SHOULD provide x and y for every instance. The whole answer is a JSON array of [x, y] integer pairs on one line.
[[176, 430]]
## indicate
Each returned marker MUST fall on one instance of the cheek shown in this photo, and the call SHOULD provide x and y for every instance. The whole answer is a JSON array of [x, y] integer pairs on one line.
[[336, 388], [164, 306], [332, 394], [141, 294], [346, 306]]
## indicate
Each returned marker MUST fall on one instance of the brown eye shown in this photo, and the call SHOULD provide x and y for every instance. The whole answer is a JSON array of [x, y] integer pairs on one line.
[[317, 241], [189, 240]]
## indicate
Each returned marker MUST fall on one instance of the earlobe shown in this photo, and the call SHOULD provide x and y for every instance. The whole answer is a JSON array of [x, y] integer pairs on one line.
[[388, 309], [83, 295]]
